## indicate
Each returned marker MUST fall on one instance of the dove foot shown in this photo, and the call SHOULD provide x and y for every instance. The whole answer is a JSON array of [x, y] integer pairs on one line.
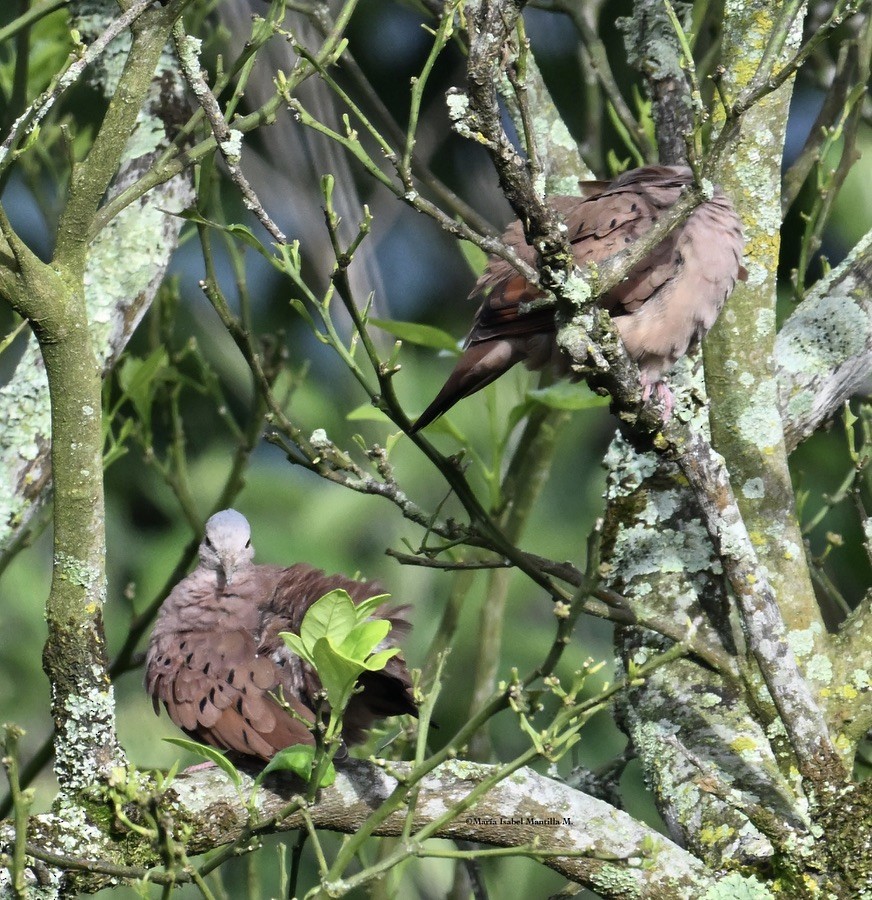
[[663, 394]]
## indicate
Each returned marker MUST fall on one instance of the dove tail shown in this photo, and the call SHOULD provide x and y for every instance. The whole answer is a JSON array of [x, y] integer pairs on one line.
[[480, 365]]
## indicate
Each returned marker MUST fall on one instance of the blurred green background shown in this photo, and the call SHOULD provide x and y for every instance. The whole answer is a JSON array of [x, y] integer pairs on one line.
[[418, 274]]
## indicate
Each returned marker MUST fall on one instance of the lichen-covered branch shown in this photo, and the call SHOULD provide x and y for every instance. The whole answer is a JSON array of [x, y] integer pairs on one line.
[[747, 428], [229, 142], [654, 52], [125, 266], [823, 352], [55, 301], [605, 849]]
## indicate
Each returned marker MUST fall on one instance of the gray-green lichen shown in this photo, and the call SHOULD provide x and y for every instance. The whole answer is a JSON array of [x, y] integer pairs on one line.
[[759, 423], [82, 751], [76, 571], [88, 17], [653, 548], [126, 263], [824, 349], [48, 887], [823, 333], [754, 488], [738, 887], [26, 417]]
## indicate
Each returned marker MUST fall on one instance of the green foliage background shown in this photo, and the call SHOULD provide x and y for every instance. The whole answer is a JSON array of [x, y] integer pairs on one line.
[[294, 515]]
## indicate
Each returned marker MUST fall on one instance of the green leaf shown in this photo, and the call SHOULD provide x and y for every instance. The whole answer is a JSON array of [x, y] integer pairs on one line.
[[416, 333], [566, 395], [300, 309], [298, 759], [332, 617], [444, 425], [211, 754], [329, 775], [191, 215], [518, 412], [379, 660], [338, 674], [248, 237], [392, 441], [475, 257], [295, 644], [290, 254], [364, 638], [366, 608], [535, 737], [366, 412], [137, 378]]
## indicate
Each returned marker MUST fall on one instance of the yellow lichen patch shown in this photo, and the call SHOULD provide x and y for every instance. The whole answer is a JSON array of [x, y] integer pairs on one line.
[[743, 743], [844, 744], [710, 836], [744, 68]]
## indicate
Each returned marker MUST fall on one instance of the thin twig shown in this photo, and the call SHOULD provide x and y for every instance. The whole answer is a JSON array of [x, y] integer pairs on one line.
[[21, 801], [36, 112], [229, 141]]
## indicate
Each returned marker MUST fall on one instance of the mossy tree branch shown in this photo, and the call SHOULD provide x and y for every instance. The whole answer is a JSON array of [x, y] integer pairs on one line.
[[52, 298], [603, 848], [747, 428]]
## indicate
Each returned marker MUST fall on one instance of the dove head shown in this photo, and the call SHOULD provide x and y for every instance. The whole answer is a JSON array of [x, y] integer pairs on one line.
[[226, 545]]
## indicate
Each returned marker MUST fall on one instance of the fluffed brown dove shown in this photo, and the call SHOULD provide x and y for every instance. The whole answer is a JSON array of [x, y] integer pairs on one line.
[[215, 657], [662, 309]]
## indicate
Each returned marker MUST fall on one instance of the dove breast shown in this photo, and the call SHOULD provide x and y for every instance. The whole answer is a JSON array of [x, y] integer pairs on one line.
[[216, 662]]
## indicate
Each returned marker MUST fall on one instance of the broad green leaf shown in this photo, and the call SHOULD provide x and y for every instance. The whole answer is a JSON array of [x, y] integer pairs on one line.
[[295, 644], [364, 639], [248, 237], [366, 412], [297, 759], [379, 660], [366, 608], [332, 616], [137, 377], [566, 395], [329, 775], [210, 753], [416, 333], [338, 673]]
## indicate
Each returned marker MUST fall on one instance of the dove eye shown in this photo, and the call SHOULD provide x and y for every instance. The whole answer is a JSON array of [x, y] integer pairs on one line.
[[248, 543], [207, 542]]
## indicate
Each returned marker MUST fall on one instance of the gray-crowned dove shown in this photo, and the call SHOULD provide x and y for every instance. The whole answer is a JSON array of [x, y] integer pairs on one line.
[[215, 659], [662, 309]]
